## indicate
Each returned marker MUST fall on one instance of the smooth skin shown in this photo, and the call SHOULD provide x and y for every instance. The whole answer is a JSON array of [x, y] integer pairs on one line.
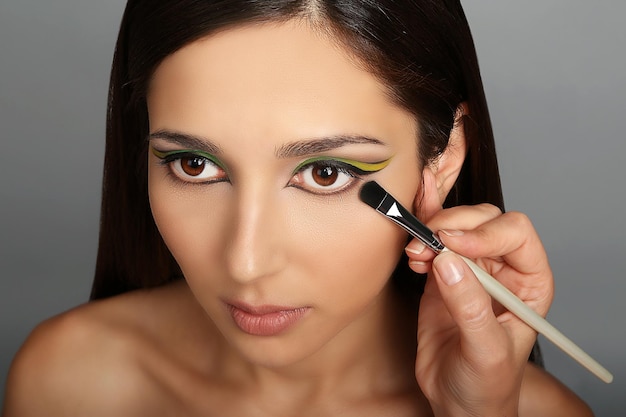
[[259, 230]]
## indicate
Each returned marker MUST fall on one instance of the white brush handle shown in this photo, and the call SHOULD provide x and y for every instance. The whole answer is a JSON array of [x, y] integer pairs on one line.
[[516, 306]]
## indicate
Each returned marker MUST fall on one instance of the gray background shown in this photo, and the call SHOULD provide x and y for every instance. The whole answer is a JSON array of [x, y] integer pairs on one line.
[[554, 74]]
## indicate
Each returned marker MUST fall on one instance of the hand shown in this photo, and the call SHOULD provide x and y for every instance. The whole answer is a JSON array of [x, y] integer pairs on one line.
[[472, 352]]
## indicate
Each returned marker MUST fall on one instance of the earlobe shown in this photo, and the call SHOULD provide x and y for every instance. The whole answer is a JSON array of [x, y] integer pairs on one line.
[[448, 166]]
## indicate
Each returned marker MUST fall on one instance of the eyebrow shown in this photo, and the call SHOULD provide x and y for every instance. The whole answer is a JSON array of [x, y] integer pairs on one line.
[[186, 140], [319, 145], [289, 150]]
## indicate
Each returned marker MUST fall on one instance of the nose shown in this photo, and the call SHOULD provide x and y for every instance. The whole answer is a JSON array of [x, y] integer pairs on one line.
[[256, 247]]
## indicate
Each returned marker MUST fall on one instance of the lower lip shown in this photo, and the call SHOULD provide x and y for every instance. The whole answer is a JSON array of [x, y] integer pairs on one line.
[[267, 324]]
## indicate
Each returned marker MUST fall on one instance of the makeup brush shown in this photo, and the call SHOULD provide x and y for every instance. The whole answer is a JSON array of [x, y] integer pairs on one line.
[[376, 197]]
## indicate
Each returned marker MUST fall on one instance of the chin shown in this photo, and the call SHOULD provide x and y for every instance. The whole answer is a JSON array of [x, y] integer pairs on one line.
[[279, 352]]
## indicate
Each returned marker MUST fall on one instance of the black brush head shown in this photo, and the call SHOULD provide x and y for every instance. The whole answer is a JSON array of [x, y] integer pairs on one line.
[[372, 194]]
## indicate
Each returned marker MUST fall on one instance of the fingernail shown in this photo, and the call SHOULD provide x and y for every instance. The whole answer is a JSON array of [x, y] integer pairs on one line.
[[415, 248], [450, 268], [417, 264], [452, 232]]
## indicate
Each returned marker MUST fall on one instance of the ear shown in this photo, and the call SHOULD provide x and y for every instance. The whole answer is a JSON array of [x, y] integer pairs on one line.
[[439, 176]]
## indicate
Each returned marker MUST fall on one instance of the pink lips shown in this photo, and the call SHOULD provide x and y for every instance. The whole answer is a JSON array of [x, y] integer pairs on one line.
[[265, 320]]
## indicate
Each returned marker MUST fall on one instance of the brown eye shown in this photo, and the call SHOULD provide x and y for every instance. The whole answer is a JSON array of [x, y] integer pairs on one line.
[[193, 166], [196, 168], [324, 175]]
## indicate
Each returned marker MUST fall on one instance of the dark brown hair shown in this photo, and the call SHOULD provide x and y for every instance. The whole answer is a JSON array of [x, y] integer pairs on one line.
[[421, 49]]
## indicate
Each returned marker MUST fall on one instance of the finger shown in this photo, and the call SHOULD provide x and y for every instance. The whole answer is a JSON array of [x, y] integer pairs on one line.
[[420, 256], [509, 249], [510, 236], [456, 218], [463, 217], [469, 305], [420, 263]]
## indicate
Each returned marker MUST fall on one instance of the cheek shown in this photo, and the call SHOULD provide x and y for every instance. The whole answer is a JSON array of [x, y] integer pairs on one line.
[[352, 249], [190, 226]]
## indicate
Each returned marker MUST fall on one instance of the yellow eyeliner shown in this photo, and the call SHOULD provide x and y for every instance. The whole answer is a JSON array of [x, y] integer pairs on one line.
[[159, 154], [361, 166]]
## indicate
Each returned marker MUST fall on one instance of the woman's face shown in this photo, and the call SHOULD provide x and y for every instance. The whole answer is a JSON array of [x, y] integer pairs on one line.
[[261, 137]]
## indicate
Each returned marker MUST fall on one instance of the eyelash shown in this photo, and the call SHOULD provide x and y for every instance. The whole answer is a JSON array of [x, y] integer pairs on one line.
[[340, 165], [168, 158]]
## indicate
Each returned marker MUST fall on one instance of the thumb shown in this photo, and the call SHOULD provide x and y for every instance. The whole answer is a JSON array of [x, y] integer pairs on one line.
[[470, 307]]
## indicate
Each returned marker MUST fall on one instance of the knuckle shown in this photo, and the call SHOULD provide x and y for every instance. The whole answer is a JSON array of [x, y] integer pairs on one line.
[[482, 234], [490, 210], [475, 314], [519, 220]]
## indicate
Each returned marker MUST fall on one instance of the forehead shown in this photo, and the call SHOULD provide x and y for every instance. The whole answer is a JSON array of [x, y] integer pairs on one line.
[[277, 80]]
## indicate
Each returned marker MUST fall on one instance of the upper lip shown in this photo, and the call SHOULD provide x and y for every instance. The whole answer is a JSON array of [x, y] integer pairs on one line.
[[260, 309]]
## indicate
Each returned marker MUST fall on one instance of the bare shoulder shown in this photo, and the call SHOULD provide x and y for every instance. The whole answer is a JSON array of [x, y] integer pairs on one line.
[[60, 368], [544, 395], [93, 360]]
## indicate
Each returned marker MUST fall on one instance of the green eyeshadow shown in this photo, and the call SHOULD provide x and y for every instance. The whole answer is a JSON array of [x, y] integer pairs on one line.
[[189, 152]]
